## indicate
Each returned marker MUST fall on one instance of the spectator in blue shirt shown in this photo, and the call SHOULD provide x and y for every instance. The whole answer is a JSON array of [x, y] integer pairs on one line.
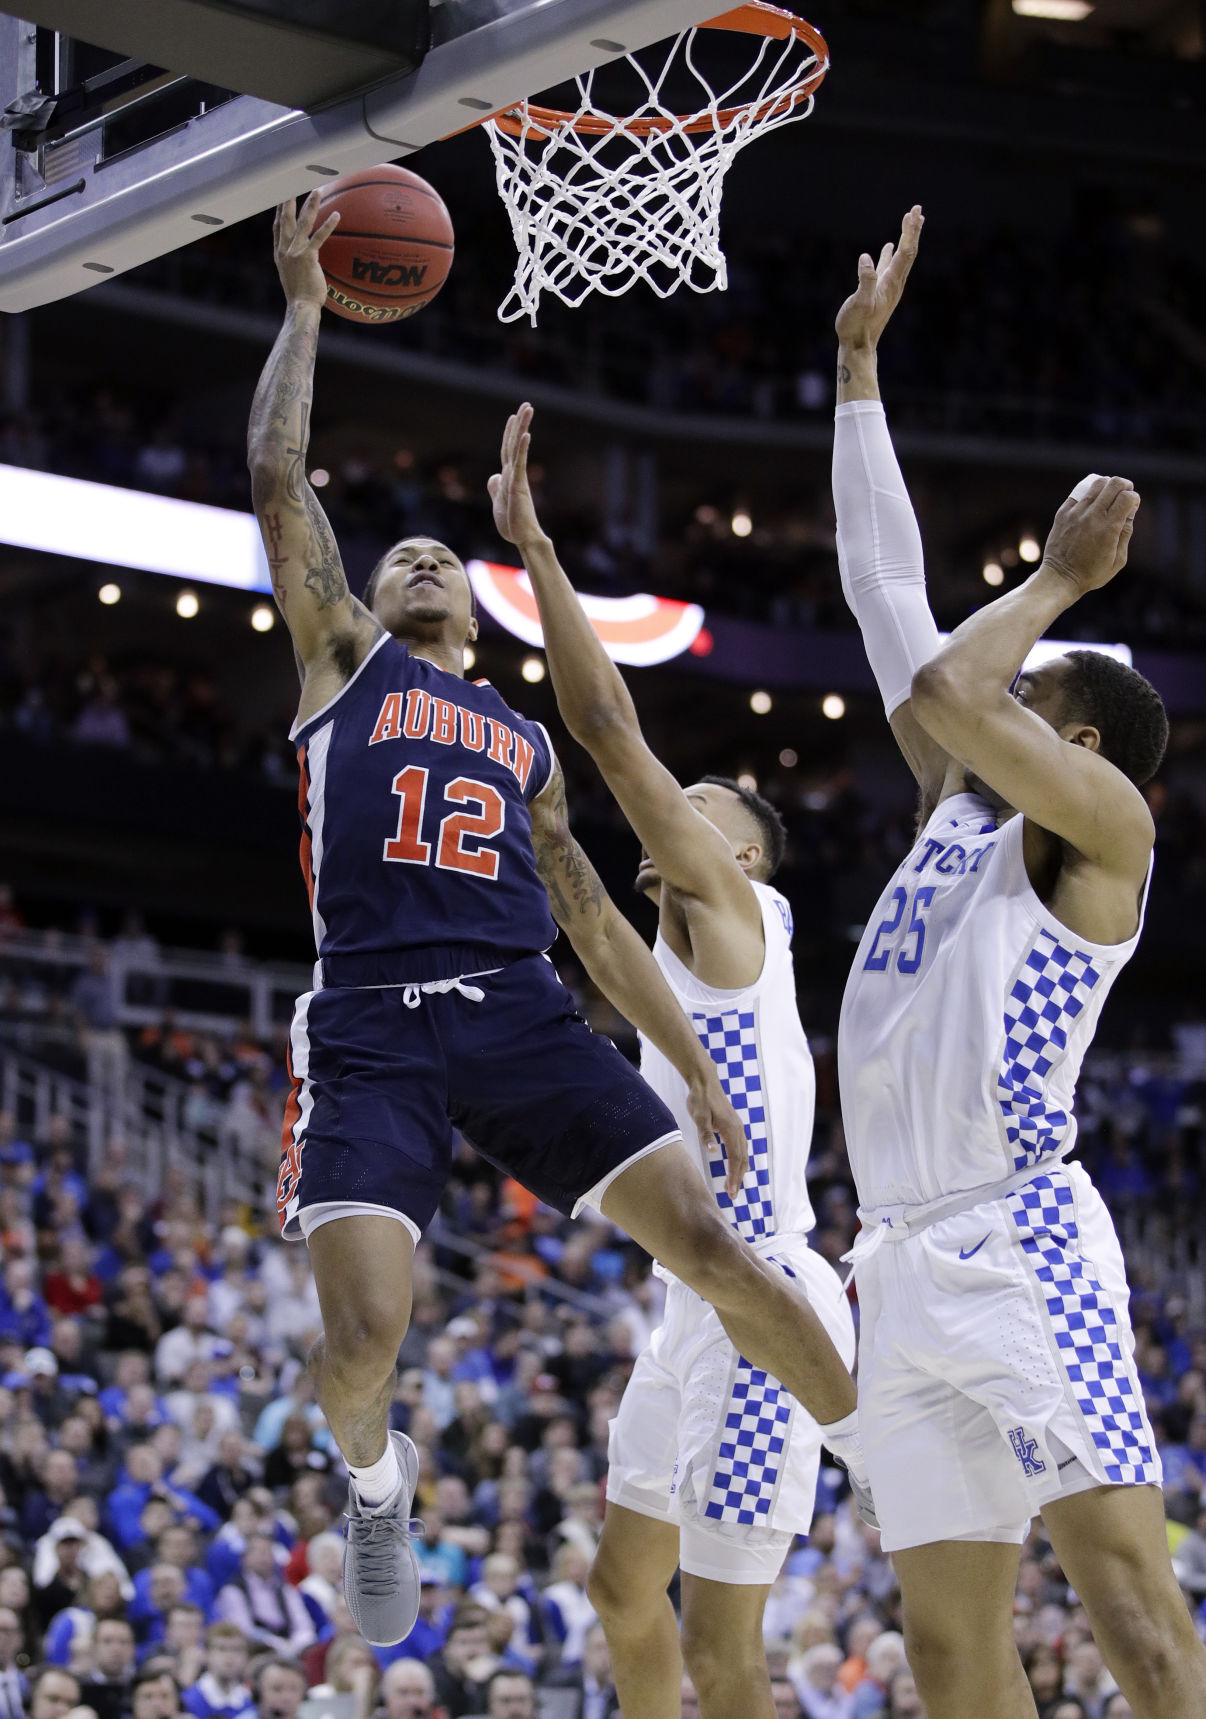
[[220, 1692], [144, 1479], [24, 1317], [60, 1482], [177, 1545]]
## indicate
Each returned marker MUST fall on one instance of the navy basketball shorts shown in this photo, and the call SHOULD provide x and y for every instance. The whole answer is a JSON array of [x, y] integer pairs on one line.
[[382, 1075]]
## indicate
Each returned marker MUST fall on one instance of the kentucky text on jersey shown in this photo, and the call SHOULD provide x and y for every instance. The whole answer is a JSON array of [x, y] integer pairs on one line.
[[966, 1017], [420, 715], [953, 860]]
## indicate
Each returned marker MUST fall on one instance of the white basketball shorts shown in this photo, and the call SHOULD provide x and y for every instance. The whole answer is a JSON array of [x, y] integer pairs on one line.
[[707, 1441], [996, 1366]]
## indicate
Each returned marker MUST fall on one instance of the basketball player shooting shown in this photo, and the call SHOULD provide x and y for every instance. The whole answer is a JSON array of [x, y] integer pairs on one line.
[[996, 1376], [712, 1467], [435, 843]]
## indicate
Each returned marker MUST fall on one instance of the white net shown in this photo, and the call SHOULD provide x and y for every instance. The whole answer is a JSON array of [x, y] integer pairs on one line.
[[600, 201]]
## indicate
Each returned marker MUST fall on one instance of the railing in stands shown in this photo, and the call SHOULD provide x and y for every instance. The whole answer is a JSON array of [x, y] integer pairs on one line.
[[203, 991], [151, 1119]]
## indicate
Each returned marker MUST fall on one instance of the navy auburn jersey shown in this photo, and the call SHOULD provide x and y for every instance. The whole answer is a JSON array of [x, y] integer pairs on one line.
[[416, 835]]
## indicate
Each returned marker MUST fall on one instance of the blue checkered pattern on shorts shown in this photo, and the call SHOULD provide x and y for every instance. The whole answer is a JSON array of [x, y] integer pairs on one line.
[[1086, 1330], [751, 1449], [1050, 991], [731, 1040]]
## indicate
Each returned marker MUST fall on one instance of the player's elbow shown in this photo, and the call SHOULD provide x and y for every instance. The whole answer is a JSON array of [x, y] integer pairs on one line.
[[599, 723], [266, 464], [937, 693]]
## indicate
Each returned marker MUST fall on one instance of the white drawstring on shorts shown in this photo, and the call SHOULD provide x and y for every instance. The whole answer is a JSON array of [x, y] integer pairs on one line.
[[412, 995]]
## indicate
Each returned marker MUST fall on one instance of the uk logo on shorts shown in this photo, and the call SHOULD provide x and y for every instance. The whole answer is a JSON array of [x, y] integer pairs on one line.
[[1026, 1451]]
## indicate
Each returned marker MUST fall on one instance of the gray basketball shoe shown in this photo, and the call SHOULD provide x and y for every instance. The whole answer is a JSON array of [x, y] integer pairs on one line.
[[380, 1570]]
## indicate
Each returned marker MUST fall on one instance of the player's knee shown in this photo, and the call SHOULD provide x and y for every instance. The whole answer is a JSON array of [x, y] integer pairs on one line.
[[1150, 1640], [362, 1343], [612, 1594], [716, 1662], [936, 1653], [714, 1261]]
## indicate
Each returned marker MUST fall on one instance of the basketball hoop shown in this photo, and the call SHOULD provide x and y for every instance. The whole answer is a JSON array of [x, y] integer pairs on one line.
[[600, 201]]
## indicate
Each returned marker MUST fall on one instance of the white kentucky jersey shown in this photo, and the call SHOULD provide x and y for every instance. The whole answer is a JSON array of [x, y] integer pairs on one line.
[[755, 1038], [966, 1018]]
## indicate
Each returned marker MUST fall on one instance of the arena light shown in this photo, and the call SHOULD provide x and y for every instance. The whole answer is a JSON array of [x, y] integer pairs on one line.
[[994, 573], [319, 478], [789, 758], [263, 619], [128, 528], [1061, 11], [746, 780], [1029, 548], [833, 705], [470, 657], [741, 524], [109, 594], [760, 703], [640, 630], [532, 670], [187, 605]]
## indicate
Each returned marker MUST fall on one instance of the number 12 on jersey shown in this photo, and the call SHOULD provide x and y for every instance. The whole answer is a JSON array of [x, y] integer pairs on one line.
[[889, 938], [407, 847]]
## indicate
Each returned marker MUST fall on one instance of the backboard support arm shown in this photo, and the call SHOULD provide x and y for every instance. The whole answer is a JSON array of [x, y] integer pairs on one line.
[[69, 219]]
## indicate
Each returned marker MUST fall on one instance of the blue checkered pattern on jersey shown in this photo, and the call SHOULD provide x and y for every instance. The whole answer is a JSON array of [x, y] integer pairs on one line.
[[731, 1040], [1086, 1331], [1050, 991], [751, 1449]]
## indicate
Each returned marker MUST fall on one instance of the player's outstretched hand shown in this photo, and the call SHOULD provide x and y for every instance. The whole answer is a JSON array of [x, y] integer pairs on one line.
[[1092, 532], [712, 1113], [510, 492], [864, 316], [296, 242]]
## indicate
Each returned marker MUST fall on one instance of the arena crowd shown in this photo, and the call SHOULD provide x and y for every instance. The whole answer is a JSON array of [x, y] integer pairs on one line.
[[170, 1502]]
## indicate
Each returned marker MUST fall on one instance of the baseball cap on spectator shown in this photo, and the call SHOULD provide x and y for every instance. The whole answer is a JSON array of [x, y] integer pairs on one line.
[[67, 1528], [43, 1361]]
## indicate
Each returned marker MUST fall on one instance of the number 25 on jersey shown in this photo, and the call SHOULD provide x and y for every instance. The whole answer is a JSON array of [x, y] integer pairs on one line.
[[900, 937]]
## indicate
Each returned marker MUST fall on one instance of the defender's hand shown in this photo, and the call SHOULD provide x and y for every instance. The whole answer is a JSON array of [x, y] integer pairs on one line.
[[864, 316], [296, 243], [1091, 534], [712, 1113], [514, 509]]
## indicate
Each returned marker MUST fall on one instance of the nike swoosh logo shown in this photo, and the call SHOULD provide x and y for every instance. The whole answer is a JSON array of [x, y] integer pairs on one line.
[[966, 1253]]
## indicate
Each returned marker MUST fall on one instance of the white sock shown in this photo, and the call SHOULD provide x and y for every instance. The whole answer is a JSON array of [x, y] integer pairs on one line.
[[376, 1484]]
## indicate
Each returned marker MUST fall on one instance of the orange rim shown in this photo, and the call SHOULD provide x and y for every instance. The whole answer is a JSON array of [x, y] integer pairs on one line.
[[754, 18]]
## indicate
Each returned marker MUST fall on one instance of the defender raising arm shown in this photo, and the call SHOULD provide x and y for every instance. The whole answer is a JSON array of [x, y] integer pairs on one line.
[[880, 556], [724, 945], [997, 1376], [715, 919]]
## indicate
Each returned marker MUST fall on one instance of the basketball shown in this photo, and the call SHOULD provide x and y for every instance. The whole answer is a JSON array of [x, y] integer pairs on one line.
[[392, 249]]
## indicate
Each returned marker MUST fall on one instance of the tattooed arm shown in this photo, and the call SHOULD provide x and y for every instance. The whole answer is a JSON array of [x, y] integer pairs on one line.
[[331, 630], [626, 973]]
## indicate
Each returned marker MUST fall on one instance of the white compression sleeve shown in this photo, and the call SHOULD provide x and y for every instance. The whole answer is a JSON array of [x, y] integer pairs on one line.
[[879, 550]]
